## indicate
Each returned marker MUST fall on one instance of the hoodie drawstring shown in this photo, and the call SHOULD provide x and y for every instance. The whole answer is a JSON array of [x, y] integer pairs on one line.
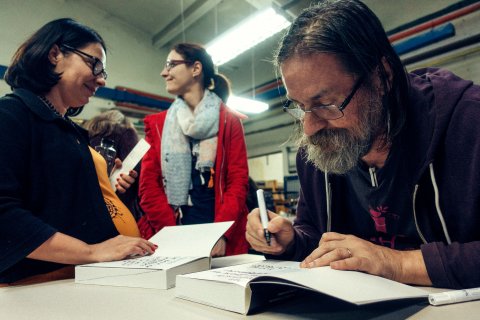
[[415, 216], [437, 204], [437, 207]]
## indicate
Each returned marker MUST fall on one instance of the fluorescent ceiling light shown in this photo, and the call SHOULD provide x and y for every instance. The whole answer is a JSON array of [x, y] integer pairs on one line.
[[246, 105], [246, 35]]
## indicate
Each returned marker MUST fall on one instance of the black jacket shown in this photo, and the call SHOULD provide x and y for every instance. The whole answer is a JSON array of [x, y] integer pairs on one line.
[[48, 184]]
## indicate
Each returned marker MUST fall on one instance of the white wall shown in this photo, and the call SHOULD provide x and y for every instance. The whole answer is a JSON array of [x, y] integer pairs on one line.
[[269, 167], [131, 59]]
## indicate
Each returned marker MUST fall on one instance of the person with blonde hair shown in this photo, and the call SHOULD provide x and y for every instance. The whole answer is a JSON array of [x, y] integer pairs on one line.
[[114, 125]]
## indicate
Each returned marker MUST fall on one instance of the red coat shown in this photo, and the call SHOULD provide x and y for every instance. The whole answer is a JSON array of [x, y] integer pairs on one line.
[[231, 181]]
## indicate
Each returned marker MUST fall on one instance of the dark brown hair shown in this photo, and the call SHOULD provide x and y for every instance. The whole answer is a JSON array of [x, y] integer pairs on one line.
[[351, 31], [217, 83], [31, 68]]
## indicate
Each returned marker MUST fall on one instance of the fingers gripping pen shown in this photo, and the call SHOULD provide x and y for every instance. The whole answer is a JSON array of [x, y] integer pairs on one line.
[[263, 214]]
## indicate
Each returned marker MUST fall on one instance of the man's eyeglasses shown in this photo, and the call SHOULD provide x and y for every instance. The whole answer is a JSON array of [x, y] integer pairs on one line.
[[325, 112], [173, 63], [97, 64]]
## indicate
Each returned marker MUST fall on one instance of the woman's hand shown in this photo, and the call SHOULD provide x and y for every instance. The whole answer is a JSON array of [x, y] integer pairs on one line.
[[62, 248], [125, 181], [121, 247], [219, 248]]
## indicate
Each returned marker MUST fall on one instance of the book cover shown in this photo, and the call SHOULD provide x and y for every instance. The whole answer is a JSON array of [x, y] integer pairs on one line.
[[244, 288], [130, 161], [181, 249]]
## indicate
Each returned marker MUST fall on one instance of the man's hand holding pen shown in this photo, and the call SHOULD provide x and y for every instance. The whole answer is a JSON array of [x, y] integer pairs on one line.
[[280, 229]]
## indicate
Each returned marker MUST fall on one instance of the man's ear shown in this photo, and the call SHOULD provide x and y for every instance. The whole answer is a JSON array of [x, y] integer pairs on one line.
[[388, 71], [54, 54]]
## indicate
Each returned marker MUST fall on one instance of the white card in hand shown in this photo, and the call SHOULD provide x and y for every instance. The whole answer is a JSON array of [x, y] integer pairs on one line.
[[130, 161]]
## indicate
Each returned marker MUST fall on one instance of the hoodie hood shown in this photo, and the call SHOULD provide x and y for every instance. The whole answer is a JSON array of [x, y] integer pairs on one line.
[[434, 95]]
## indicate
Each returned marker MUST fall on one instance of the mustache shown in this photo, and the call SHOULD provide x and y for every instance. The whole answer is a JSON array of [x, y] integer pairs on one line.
[[335, 150], [326, 135], [336, 138]]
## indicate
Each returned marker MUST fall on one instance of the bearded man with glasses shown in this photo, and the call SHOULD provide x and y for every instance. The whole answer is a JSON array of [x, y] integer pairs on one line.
[[388, 161]]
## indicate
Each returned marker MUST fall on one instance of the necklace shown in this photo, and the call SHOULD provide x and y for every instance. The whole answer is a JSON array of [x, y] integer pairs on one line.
[[50, 106]]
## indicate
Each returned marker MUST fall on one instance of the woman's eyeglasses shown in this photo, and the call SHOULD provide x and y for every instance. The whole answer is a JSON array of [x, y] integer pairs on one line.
[[173, 63], [97, 64]]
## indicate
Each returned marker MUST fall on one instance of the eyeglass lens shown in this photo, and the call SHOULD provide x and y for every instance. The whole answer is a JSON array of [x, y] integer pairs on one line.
[[173, 63], [331, 112], [97, 64]]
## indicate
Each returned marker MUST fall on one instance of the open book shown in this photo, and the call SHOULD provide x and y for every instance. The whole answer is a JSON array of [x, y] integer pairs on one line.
[[181, 249], [245, 287]]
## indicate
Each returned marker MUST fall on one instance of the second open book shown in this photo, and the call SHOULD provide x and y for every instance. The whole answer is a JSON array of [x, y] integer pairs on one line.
[[181, 249], [244, 288]]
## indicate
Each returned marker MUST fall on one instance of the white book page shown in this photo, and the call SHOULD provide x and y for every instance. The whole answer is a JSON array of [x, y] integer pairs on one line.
[[228, 261], [147, 262], [195, 240], [242, 274], [368, 288], [130, 161]]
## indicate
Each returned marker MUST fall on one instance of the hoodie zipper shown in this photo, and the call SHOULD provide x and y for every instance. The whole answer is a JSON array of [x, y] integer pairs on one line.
[[328, 192], [373, 177]]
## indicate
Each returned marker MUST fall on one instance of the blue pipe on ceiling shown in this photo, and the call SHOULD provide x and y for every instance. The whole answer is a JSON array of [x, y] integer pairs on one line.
[[423, 40]]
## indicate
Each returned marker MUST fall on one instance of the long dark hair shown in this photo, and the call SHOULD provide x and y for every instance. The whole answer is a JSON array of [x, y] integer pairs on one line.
[[351, 31], [31, 68], [217, 83]]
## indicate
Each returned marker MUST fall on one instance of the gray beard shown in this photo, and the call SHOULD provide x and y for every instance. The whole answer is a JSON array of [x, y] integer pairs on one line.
[[337, 150]]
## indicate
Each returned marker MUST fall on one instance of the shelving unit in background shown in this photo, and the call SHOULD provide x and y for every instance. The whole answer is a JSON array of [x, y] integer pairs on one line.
[[271, 189], [283, 196]]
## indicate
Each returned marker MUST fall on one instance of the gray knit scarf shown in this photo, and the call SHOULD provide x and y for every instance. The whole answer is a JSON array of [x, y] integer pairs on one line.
[[182, 126]]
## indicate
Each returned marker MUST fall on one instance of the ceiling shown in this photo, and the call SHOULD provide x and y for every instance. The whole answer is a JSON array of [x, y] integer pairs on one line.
[[168, 22], [171, 21]]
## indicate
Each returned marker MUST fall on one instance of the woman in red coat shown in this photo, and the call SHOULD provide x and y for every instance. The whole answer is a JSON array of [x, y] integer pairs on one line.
[[196, 170]]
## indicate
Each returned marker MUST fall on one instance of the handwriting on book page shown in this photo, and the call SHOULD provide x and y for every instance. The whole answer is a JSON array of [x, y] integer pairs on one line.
[[155, 262], [242, 274], [148, 262]]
